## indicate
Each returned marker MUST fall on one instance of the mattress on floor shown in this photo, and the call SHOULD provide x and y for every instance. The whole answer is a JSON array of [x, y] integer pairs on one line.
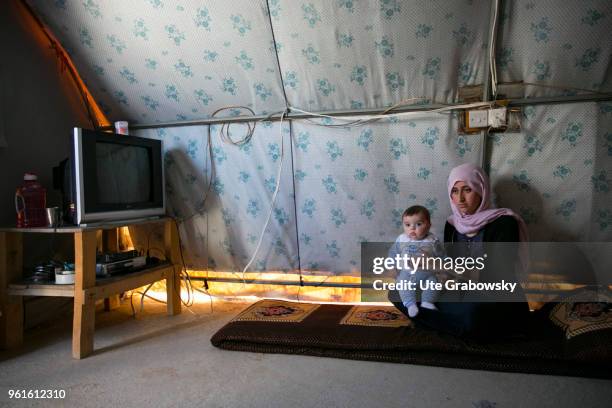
[[381, 333]]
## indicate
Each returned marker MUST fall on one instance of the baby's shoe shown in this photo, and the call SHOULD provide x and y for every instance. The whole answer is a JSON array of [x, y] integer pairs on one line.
[[413, 309], [428, 305]]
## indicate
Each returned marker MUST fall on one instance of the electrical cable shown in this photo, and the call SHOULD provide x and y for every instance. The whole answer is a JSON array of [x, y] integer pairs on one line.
[[132, 304], [225, 133], [225, 136], [374, 118], [143, 296], [492, 62], [150, 297], [207, 246], [493, 74], [206, 292], [274, 195], [354, 122], [184, 274], [319, 284]]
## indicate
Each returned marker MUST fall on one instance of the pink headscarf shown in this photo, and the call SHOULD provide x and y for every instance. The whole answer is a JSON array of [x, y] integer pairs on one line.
[[475, 177]]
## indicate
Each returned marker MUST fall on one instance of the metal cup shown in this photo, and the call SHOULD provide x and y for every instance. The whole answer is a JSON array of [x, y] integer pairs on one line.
[[54, 217]]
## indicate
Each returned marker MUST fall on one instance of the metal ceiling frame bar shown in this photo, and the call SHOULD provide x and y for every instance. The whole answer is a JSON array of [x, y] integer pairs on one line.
[[599, 97], [552, 100], [276, 116]]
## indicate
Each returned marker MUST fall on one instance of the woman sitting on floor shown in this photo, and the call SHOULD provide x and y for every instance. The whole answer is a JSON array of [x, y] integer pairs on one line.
[[473, 223]]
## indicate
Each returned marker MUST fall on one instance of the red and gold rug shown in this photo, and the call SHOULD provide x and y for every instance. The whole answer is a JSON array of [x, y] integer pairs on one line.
[[270, 310], [382, 316]]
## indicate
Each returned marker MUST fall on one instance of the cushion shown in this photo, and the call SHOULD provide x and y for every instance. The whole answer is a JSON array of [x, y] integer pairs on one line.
[[582, 322]]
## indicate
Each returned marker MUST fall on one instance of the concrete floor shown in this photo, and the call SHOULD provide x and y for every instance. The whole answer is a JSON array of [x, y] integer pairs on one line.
[[156, 360]]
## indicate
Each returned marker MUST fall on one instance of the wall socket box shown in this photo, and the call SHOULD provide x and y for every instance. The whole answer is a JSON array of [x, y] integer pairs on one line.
[[501, 119], [497, 118], [490, 118], [477, 119]]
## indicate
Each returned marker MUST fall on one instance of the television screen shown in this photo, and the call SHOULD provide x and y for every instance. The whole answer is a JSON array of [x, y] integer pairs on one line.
[[116, 177], [123, 173]]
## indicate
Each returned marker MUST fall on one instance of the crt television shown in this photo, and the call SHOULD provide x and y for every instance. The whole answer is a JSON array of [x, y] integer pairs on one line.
[[115, 177]]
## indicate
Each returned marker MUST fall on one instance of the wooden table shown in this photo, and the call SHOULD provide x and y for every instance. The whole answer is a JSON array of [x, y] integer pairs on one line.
[[86, 289]]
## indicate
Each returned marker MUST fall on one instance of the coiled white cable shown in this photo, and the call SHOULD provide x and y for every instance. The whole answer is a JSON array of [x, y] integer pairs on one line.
[[274, 195]]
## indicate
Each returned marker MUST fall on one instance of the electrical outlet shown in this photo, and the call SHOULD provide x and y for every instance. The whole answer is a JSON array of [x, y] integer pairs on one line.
[[477, 119], [497, 118]]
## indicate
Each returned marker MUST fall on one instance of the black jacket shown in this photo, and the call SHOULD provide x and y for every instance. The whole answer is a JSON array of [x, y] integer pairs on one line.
[[502, 229], [502, 259]]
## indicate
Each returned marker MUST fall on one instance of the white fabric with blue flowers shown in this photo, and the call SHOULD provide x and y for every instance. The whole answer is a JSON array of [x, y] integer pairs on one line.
[[557, 173], [351, 186], [368, 54], [562, 44], [152, 61]]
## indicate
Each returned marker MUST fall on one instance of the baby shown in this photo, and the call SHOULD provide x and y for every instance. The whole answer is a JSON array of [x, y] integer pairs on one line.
[[417, 241]]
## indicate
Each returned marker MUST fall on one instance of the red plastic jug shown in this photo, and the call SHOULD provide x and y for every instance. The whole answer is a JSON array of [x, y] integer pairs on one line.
[[30, 203]]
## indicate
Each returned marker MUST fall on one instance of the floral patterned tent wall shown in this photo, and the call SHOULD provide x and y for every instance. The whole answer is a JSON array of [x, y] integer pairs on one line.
[[155, 61]]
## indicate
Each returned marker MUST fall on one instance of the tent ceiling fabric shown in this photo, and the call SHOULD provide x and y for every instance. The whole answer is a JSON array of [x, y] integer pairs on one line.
[[564, 44], [153, 61], [156, 61], [338, 55]]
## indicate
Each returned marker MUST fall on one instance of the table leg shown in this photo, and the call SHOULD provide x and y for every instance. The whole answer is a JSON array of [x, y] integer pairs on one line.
[[109, 240], [173, 282], [11, 307], [111, 303], [84, 305]]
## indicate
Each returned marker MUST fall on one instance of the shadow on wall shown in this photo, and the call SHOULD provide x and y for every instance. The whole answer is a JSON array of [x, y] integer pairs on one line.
[[190, 199], [552, 262], [601, 205], [528, 203], [190, 202], [187, 199], [182, 180]]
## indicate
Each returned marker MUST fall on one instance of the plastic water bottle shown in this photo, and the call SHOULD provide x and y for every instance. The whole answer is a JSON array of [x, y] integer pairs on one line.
[[30, 203]]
